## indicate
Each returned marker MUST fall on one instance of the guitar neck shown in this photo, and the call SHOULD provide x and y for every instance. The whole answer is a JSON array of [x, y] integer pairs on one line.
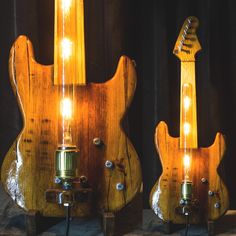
[[69, 45], [188, 110]]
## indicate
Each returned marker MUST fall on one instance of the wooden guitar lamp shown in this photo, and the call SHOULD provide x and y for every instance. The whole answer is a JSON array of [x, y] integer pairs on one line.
[[190, 184], [72, 130]]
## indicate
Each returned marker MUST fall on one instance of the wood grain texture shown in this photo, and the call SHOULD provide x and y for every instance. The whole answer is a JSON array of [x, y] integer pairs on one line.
[[166, 193], [28, 168]]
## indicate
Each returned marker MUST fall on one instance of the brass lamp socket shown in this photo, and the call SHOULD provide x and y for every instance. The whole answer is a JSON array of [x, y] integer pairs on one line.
[[186, 191], [187, 205], [66, 160]]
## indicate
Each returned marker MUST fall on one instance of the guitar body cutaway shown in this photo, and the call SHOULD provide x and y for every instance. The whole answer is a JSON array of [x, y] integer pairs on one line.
[[28, 168]]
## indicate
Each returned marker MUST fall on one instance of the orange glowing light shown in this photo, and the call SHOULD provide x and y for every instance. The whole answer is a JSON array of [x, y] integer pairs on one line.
[[66, 5], [187, 102], [187, 128], [66, 108], [66, 48], [186, 161]]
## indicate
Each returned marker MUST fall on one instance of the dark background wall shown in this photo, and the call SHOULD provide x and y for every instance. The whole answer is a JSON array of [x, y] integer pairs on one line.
[[145, 30]]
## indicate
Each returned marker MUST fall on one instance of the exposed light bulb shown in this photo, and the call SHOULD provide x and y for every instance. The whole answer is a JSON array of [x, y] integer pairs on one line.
[[66, 48], [186, 161], [66, 5], [187, 102], [187, 128], [66, 108]]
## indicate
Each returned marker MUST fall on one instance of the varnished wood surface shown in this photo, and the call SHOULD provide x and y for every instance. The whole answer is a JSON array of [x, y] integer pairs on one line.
[[28, 168], [166, 193]]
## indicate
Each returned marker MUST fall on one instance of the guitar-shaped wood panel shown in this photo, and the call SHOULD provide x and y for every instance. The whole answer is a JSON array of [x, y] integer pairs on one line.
[[29, 166], [181, 158]]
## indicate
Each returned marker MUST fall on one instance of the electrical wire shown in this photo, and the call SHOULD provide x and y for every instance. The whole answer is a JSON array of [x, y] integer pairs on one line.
[[68, 208], [187, 225]]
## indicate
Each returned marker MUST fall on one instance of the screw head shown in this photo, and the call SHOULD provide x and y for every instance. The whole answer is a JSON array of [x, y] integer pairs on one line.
[[109, 164], [217, 205], [211, 193], [204, 180], [97, 142], [120, 186], [57, 180]]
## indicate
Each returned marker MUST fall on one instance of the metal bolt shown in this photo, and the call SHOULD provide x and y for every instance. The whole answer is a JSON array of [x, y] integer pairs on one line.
[[182, 202], [120, 186], [204, 180], [217, 205], [109, 164], [57, 180], [83, 179], [67, 185], [97, 142], [211, 193]]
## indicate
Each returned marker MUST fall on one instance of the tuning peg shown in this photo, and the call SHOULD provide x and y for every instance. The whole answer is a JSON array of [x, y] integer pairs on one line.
[[188, 45], [190, 38], [186, 51]]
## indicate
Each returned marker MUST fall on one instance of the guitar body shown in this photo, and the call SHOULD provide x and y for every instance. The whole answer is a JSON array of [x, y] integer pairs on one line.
[[166, 193], [28, 169]]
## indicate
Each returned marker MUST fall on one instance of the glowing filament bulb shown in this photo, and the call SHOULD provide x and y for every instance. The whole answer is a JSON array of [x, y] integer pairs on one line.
[[66, 48], [66, 4], [187, 102], [186, 161], [187, 128], [66, 108]]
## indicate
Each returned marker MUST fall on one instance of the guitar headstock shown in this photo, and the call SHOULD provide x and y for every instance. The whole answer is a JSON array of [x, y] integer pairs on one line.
[[187, 44]]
